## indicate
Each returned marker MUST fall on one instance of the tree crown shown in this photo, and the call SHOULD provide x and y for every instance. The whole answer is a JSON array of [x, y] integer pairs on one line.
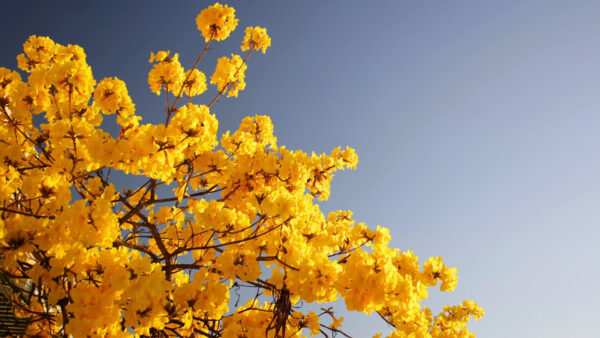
[[83, 258]]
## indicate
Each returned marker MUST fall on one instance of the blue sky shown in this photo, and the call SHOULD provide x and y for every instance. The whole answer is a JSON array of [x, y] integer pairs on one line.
[[476, 124]]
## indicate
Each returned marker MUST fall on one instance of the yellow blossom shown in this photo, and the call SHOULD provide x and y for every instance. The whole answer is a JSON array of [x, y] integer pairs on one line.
[[230, 73], [256, 38], [194, 83], [167, 73], [216, 22]]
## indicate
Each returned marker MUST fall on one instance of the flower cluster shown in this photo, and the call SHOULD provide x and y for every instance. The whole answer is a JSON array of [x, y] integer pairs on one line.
[[230, 74], [112, 97], [257, 38], [216, 22], [167, 73], [194, 83]]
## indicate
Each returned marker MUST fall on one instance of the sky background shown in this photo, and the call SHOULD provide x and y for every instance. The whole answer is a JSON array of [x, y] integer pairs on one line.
[[476, 124]]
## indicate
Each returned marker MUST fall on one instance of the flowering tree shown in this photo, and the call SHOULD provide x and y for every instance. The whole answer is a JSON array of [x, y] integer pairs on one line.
[[85, 259]]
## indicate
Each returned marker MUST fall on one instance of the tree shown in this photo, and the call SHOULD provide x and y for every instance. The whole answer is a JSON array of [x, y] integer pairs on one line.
[[165, 258]]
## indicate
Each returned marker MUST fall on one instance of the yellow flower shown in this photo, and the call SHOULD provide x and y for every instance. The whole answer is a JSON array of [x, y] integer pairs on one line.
[[257, 38], [167, 73], [434, 270], [230, 73], [195, 83], [312, 322], [160, 56], [112, 97], [337, 322], [216, 22], [39, 51]]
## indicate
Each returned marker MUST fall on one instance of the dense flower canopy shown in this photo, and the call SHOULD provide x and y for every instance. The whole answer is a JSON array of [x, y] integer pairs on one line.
[[241, 212]]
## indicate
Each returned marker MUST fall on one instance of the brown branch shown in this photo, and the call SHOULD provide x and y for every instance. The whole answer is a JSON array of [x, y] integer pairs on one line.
[[172, 107], [46, 153], [26, 214], [236, 241], [146, 250], [277, 259]]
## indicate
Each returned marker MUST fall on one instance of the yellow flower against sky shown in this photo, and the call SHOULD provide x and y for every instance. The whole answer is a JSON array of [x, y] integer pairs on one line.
[[239, 211]]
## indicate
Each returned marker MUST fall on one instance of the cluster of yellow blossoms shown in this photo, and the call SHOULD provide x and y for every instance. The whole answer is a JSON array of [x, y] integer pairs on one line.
[[85, 259], [230, 73], [216, 22], [257, 38]]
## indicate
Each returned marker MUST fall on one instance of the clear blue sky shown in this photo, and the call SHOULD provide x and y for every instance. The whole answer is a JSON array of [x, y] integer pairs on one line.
[[476, 124]]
